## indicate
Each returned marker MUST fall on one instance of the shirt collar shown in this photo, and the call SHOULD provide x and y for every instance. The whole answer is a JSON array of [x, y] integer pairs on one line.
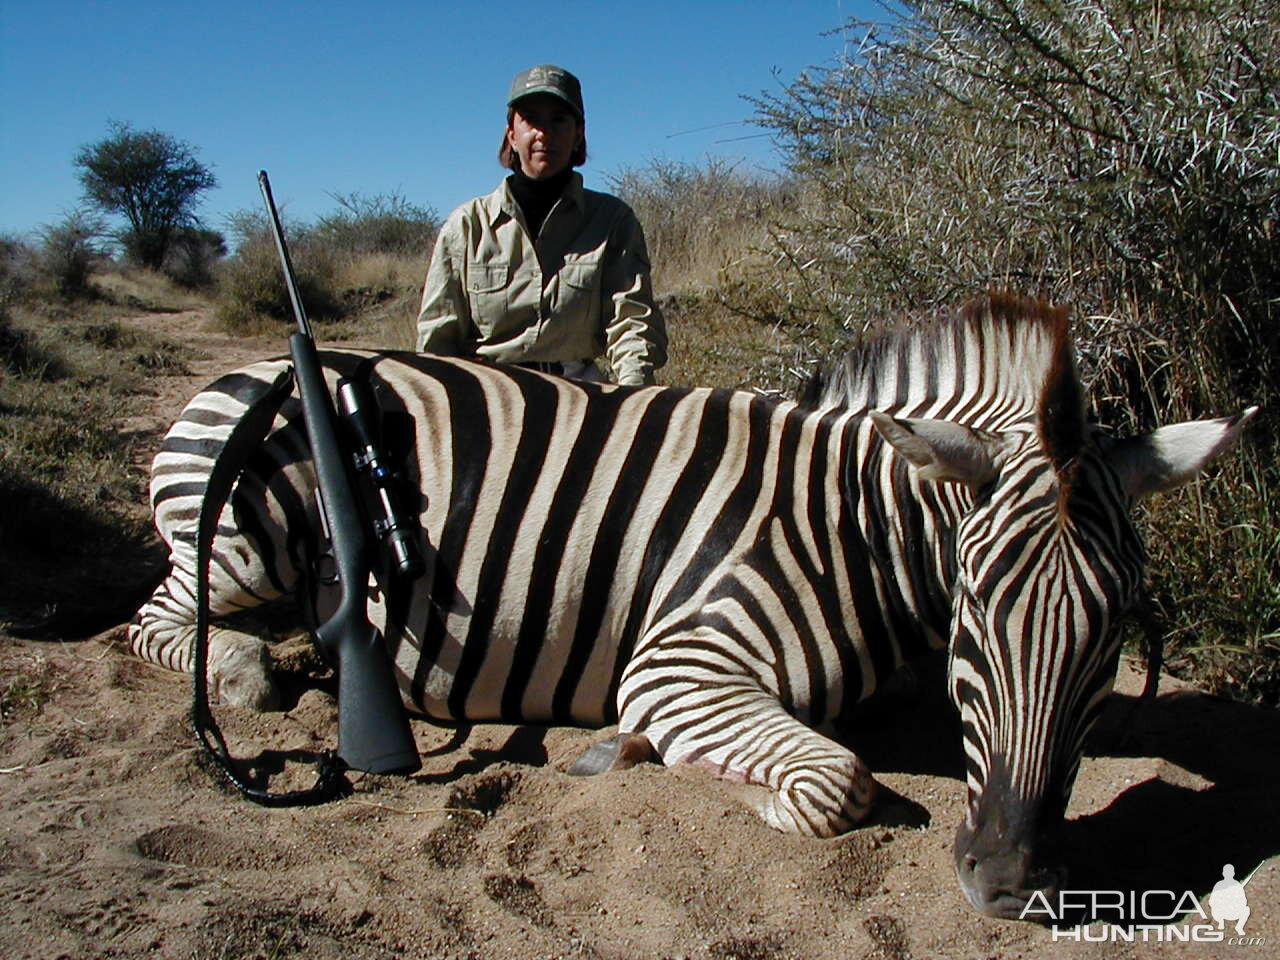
[[501, 205]]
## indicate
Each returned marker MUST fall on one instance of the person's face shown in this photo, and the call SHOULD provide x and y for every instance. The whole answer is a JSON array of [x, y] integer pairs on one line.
[[544, 132]]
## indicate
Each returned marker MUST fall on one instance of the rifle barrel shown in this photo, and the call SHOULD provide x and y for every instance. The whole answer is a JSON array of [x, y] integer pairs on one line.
[[277, 232]]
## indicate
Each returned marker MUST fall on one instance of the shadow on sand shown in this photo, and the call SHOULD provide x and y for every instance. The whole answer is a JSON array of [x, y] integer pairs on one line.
[[1160, 835], [1164, 833]]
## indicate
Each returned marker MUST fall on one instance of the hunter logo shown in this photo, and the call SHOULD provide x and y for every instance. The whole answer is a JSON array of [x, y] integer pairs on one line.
[[1163, 913], [1228, 901]]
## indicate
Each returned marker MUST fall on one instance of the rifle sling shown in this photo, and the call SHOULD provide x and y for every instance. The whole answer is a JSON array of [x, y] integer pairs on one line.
[[245, 437]]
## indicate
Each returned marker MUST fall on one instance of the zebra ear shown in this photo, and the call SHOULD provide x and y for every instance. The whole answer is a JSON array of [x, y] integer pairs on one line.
[[1173, 455], [942, 450]]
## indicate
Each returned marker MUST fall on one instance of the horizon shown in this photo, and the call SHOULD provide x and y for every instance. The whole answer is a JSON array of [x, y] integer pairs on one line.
[[390, 102]]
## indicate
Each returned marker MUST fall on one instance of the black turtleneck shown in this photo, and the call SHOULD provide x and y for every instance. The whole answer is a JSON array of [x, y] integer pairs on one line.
[[537, 197]]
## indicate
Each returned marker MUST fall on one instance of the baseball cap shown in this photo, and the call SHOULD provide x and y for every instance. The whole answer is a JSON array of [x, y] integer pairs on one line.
[[548, 78]]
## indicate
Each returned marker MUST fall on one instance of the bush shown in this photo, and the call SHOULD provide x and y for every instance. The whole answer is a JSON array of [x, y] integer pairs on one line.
[[191, 256], [699, 220], [69, 250], [17, 269], [1096, 152], [1120, 156], [251, 287], [380, 246], [1215, 571], [386, 223], [372, 252]]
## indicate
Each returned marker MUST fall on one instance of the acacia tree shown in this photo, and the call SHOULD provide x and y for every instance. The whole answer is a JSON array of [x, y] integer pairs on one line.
[[152, 180]]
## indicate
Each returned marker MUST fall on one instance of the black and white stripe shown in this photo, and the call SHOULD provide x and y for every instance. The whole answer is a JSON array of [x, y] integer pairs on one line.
[[715, 571]]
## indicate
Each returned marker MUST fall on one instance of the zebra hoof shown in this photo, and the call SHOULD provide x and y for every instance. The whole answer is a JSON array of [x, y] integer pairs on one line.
[[240, 672], [621, 752]]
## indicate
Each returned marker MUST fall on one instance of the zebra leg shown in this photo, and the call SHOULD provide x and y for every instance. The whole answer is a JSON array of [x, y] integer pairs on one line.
[[732, 727], [163, 630]]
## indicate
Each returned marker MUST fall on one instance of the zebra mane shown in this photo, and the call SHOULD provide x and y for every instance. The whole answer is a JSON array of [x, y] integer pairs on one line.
[[1000, 360]]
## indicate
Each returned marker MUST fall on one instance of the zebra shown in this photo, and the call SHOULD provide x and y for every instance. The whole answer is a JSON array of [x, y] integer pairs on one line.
[[724, 575]]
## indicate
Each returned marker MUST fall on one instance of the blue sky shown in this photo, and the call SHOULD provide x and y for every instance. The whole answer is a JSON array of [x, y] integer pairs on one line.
[[381, 97]]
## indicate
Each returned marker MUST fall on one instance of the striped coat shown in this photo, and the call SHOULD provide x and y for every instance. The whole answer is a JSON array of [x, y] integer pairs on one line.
[[720, 573]]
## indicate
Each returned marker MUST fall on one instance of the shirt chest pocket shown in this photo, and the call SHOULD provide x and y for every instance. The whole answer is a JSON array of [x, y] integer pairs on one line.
[[487, 277], [581, 273], [487, 293], [580, 284]]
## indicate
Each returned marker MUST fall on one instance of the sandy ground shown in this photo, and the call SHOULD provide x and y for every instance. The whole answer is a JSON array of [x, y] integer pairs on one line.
[[118, 841]]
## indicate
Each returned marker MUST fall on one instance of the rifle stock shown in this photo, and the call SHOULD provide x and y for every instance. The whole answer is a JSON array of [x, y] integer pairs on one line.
[[373, 728]]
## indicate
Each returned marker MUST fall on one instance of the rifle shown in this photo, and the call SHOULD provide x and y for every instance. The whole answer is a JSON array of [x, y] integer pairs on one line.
[[373, 728]]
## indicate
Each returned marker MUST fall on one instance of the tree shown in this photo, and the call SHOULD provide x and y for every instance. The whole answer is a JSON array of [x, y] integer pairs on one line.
[[150, 179]]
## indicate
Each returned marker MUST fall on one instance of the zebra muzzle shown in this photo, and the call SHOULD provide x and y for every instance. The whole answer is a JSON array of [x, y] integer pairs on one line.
[[1007, 849], [1003, 884]]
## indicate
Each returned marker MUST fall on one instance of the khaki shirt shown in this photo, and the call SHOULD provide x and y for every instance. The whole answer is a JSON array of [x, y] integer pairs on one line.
[[580, 292]]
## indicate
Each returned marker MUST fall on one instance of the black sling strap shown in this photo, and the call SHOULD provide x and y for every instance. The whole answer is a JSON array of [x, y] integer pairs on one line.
[[245, 437]]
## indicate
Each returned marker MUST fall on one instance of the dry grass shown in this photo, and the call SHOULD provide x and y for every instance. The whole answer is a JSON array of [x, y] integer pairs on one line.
[[363, 262], [712, 347], [702, 222], [26, 687], [143, 290], [344, 293], [383, 290], [72, 484]]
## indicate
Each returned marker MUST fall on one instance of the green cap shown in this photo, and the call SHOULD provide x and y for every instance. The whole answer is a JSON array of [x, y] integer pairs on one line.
[[547, 78]]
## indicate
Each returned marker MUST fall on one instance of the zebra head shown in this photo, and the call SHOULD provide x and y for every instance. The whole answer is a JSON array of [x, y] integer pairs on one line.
[[1045, 563]]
